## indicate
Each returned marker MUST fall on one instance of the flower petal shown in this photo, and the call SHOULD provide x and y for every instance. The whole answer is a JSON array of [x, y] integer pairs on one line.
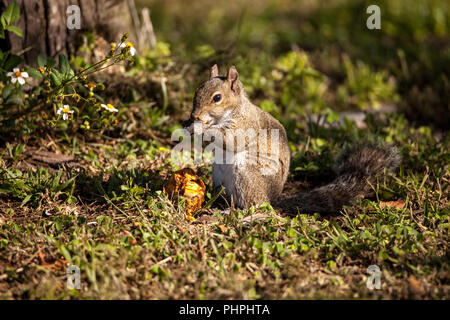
[[25, 75], [65, 116], [16, 70], [13, 80], [10, 74], [21, 80]]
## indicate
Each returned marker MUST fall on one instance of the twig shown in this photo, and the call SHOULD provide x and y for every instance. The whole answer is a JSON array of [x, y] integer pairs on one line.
[[163, 261], [135, 19], [147, 28]]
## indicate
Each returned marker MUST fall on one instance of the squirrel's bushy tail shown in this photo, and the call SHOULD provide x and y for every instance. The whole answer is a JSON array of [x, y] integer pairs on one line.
[[357, 167]]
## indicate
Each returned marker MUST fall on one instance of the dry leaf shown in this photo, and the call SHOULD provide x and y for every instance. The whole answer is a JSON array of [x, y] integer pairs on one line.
[[59, 265], [42, 257], [133, 239], [414, 286], [399, 204]]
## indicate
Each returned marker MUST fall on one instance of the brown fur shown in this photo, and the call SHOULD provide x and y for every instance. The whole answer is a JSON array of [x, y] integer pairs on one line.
[[245, 185], [357, 169]]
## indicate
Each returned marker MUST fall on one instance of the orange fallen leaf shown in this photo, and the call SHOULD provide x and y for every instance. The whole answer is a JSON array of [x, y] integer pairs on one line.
[[414, 286], [187, 184], [399, 204], [133, 239], [59, 265], [42, 257]]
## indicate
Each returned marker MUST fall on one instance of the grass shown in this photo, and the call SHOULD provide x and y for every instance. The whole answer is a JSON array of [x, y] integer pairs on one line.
[[106, 212], [130, 241]]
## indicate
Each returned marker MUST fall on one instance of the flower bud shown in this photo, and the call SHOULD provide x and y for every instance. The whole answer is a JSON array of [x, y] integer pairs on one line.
[[124, 37]]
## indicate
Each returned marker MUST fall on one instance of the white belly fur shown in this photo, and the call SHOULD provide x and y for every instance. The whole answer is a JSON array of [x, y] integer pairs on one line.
[[225, 175]]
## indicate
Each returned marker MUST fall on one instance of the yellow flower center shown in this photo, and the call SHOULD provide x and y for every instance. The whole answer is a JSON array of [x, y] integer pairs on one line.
[[129, 44], [66, 110], [86, 123], [18, 74], [110, 106]]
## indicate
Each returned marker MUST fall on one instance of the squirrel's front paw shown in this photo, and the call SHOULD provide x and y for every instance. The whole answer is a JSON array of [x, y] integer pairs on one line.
[[188, 125]]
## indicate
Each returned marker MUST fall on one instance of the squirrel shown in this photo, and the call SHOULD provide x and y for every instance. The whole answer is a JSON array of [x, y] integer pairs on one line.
[[221, 104]]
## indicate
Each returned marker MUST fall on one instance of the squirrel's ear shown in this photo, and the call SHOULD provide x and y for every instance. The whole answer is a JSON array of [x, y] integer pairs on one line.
[[214, 72], [233, 79]]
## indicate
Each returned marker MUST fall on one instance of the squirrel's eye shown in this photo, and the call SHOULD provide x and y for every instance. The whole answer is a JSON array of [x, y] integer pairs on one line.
[[217, 97]]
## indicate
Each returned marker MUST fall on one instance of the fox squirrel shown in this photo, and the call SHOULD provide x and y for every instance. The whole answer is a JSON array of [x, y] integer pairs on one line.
[[221, 105]]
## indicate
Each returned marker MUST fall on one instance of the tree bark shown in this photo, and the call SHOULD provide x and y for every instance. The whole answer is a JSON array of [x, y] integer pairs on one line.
[[45, 31]]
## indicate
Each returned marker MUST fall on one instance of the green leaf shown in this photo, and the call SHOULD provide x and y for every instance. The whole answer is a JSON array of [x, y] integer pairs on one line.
[[27, 199], [331, 264], [56, 179], [55, 76], [14, 99], [15, 29], [291, 233], [383, 255], [11, 14], [65, 252], [41, 60], [64, 66], [12, 61], [7, 91], [15, 12], [63, 186], [34, 73], [45, 61]]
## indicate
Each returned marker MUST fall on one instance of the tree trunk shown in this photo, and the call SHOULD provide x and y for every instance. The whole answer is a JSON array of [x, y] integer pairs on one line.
[[45, 31]]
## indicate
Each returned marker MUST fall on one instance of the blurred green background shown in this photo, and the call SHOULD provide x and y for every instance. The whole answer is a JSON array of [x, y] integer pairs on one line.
[[315, 55]]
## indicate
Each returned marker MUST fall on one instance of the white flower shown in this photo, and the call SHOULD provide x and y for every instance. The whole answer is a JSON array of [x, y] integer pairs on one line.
[[130, 46], [16, 75], [109, 107], [65, 111]]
